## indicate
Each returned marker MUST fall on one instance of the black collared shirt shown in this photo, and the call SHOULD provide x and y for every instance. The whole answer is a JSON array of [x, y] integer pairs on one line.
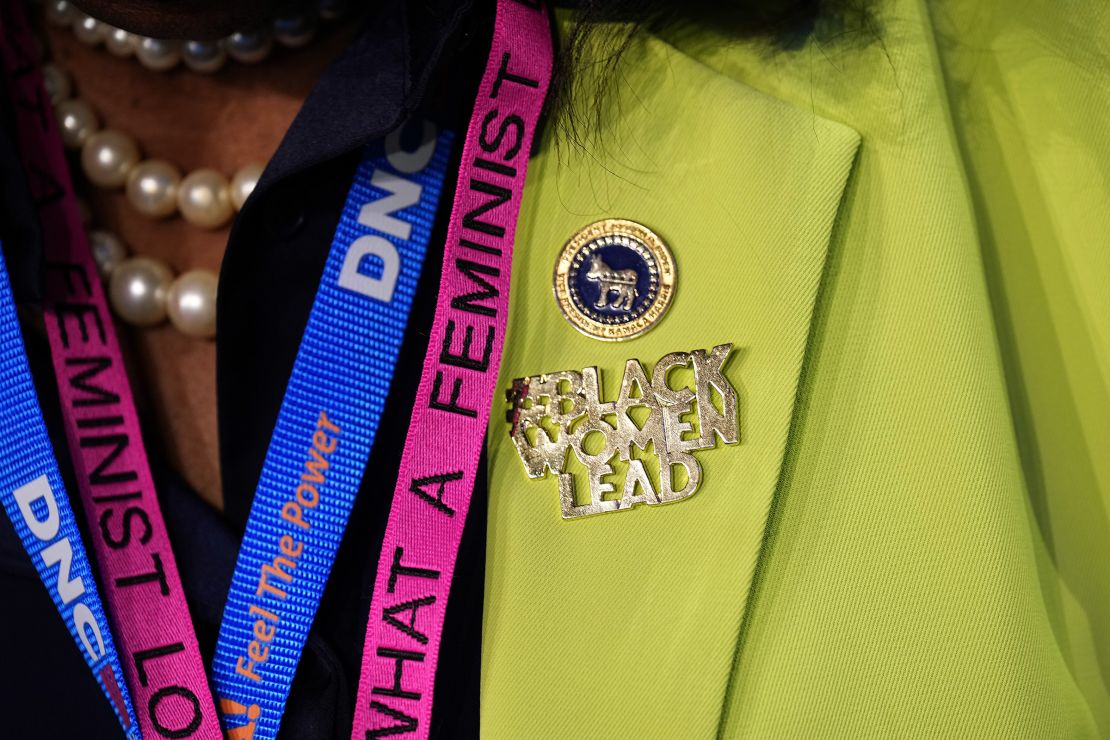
[[274, 259]]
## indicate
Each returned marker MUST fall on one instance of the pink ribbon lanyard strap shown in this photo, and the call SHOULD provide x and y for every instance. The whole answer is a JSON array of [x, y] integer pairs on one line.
[[445, 436], [146, 605]]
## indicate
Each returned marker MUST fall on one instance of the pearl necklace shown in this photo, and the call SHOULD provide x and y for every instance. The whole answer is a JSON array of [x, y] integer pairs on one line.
[[248, 47], [111, 160], [143, 291]]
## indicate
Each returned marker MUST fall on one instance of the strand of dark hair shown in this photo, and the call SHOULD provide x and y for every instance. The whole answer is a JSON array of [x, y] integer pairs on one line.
[[603, 30]]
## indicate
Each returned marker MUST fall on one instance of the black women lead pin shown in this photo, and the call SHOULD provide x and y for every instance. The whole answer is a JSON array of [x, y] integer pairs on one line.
[[614, 280], [646, 437]]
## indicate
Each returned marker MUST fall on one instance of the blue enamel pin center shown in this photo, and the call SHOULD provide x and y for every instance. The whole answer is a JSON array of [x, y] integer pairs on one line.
[[614, 279]]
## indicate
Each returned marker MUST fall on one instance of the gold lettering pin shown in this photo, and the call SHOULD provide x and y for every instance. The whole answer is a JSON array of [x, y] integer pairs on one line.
[[652, 429]]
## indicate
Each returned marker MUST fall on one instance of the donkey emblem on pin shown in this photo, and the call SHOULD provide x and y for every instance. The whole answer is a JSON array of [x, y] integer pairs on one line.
[[621, 282]]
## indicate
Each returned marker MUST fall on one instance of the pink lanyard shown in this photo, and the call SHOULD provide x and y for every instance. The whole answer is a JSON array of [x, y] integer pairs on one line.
[[146, 605], [162, 662], [448, 424]]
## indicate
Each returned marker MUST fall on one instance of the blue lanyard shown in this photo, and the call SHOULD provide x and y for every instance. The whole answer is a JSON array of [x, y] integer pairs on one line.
[[36, 502], [326, 427]]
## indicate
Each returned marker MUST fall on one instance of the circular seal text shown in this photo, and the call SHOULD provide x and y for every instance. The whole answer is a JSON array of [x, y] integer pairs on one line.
[[614, 279]]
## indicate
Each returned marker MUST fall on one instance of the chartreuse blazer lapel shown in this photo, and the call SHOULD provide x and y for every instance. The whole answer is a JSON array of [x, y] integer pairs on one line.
[[625, 623]]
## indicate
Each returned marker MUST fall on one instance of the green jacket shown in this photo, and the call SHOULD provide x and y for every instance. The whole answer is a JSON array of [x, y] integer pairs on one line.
[[903, 233]]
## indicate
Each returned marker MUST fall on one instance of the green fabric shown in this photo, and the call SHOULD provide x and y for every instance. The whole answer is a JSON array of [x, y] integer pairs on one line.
[[905, 238], [1033, 104]]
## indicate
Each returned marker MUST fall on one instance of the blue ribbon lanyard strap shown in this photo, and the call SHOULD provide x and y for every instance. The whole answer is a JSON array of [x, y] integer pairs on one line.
[[326, 427], [36, 502]]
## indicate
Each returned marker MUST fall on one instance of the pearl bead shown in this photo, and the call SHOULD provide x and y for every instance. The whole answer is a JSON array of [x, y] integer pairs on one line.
[[56, 82], [89, 30], [249, 47], [108, 157], [137, 290], [204, 198], [152, 188], [77, 121], [295, 31], [204, 56], [60, 12], [191, 303], [121, 43], [243, 183], [107, 251], [157, 54]]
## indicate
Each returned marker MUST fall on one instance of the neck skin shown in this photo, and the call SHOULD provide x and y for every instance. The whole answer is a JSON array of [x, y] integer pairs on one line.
[[224, 121]]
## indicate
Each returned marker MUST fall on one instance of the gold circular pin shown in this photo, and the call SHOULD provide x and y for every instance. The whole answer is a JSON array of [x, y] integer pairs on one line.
[[614, 279]]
